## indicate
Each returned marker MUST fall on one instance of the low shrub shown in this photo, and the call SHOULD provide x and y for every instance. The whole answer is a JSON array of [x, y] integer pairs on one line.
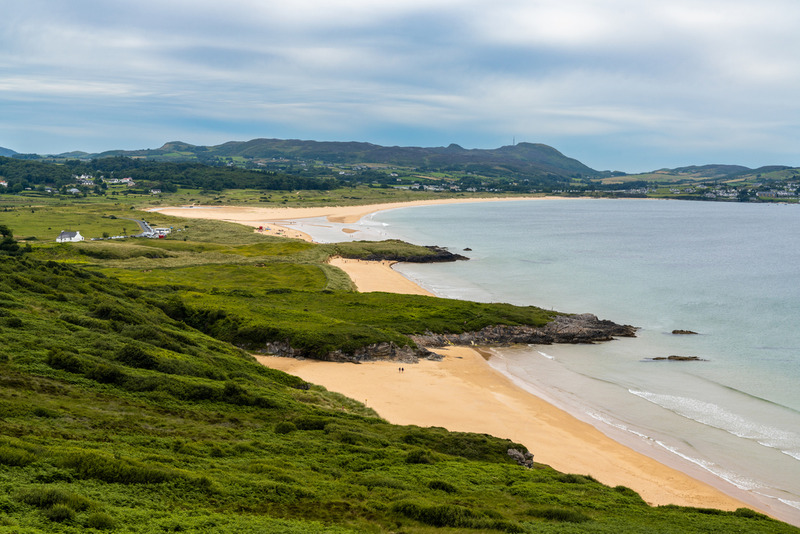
[[108, 469], [444, 515], [60, 513], [570, 478], [554, 513], [747, 512], [310, 422], [285, 427], [15, 457], [441, 485], [419, 456], [49, 497], [100, 521], [135, 356], [65, 361], [105, 374]]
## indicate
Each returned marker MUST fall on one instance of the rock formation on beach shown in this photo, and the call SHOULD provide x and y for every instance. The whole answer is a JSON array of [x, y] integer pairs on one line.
[[583, 328]]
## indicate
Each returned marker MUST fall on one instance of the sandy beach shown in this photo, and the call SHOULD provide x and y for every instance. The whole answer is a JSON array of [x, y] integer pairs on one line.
[[463, 393], [284, 221]]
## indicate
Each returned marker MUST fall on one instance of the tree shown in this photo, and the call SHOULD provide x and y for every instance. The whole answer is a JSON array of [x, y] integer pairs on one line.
[[8, 245]]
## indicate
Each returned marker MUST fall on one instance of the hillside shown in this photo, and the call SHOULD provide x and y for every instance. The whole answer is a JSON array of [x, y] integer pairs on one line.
[[523, 158], [7, 152], [124, 408]]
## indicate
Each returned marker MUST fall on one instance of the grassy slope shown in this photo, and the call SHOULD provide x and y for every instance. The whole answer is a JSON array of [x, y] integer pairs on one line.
[[115, 416]]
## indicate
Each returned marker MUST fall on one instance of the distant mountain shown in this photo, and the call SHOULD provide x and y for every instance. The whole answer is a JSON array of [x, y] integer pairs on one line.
[[77, 154], [720, 171], [7, 152], [523, 159]]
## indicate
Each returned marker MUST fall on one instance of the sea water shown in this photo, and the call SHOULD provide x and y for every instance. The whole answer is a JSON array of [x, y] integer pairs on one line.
[[728, 271]]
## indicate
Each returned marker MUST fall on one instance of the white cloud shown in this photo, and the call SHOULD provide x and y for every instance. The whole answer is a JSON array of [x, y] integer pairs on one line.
[[666, 75]]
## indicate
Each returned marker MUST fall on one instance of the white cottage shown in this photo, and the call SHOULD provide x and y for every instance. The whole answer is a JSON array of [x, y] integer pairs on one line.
[[69, 237]]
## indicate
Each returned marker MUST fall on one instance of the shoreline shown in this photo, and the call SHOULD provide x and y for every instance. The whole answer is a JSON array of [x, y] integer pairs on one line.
[[463, 393], [292, 222], [559, 439]]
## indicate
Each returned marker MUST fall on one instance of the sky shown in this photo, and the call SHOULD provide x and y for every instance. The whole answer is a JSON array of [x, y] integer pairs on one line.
[[628, 85]]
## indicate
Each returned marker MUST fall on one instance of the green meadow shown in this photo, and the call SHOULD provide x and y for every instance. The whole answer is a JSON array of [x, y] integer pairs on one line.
[[129, 401]]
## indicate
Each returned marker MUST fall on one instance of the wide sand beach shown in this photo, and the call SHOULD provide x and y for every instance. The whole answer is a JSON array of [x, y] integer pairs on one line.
[[462, 392]]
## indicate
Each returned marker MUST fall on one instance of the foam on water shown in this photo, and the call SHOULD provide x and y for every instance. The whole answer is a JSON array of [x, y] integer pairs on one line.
[[713, 415], [738, 481]]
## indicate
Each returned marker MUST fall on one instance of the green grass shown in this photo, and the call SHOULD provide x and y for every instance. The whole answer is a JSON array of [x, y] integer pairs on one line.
[[124, 406]]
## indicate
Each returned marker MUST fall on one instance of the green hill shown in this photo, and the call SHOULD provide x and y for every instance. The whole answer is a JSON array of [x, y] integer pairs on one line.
[[123, 408], [523, 159]]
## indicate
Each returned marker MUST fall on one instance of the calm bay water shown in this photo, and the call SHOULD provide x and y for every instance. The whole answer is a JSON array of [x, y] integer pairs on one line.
[[728, 271]]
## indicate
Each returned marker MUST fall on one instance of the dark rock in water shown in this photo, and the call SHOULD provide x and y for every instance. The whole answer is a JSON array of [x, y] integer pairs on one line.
[[584, 328], [525, 459], [684, 332], [674, 358], [437, 255], [467, 249]]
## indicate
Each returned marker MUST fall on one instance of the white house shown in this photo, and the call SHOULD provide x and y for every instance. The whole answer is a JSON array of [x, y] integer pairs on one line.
[[69, 237]]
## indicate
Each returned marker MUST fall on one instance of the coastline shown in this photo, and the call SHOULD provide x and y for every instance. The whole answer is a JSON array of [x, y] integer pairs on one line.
[[291, 222], [494, 404], [463, 393]]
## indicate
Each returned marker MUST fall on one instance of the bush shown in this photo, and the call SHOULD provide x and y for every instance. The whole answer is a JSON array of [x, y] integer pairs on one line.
[[555, 513], [135, 356], [14, 456], [65, 361], [575, 479], [100, 521], [442, 486], [285, 427], [105, 374], [49, 497], [444, 515], [747, 512], [310, 422], [60, 513], [419, 457], [107, 469]]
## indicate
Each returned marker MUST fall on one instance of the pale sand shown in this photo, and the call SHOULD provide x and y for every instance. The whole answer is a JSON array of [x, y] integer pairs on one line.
[[278, 221], [463, 393], [377, 276]]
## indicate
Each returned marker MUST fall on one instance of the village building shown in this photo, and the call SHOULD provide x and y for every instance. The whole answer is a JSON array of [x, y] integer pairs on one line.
[[67, 236]]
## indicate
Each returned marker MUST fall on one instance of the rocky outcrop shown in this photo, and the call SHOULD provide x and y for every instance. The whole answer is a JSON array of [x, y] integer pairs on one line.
[[583, 328], [525, 459], [684, 332], [376, 352], [436, 255]]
